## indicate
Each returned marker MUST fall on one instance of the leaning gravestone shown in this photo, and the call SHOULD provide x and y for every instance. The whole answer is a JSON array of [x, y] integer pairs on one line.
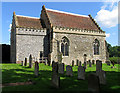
[[72, 63], [79, 64], [61, 68], [30, 61], [69, 71], [93, 83], [36, 69], [81, 72], [22, 63], [25, 64], [102, 77], [55, 67], [90, 64], [85, 65], [55, 80]]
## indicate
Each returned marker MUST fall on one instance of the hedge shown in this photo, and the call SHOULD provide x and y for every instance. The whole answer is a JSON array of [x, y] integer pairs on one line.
[[115, 59]]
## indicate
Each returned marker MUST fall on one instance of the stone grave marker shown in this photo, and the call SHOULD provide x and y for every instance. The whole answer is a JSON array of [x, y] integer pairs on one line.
[[79, 64], [69, 71], [55, 80], [81, 72], [93, 62], [85, 65], [72, 63], [25, 64], [53, 63], [90, 64], [102, 77], [61, 68], [55, 67], [36, 69], [98, 65], [30, 61], [22, 63], [93, 83]]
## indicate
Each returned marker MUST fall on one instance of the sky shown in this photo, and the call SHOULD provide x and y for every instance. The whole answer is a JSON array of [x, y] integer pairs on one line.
[[104, 13]]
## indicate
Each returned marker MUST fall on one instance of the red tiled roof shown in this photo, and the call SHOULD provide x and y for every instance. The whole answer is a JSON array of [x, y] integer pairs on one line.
[[69, 20], [29, 22]]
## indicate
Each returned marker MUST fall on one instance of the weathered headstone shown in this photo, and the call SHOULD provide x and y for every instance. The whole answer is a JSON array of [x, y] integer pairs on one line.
[[81, 72], [36, 69], [61, 68], [25, 64], [98, 65], [55, 80], [55, 67], [79, 64], [72, 63], [53, 63], [90, 64], [93, 83], [69, 71], [30, 61], [93, 62], [102, 77], [85, 65], [22, 63]]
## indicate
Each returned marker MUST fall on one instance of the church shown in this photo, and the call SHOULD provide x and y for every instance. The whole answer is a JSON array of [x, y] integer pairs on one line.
[[74, 36]]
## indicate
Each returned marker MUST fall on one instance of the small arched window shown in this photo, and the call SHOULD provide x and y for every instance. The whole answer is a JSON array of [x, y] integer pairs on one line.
[[65, 46], [96, 47]]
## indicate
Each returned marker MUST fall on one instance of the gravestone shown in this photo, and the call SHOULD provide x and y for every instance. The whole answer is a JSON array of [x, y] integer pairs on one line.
[[85, 65], [36, 69], [79, 64], [93, 62], [93, 83], [61, 68], [53, 63], [69, 71], [55, 80], [98, 65], [102, 77], [90, 64], [55, 67], [72, 63], [81, 72], [25, 64], [22, 63], [30, 61]]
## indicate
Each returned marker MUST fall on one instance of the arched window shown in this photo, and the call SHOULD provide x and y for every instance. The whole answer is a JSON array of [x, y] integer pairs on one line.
[[96, 47], [65, 46]]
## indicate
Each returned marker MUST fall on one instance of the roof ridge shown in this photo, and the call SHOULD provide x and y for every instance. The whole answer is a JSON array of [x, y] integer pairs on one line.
[[67, 12], [28, 16]]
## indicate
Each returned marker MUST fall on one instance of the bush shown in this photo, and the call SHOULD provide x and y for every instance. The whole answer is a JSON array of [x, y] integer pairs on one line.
[[115, 59]]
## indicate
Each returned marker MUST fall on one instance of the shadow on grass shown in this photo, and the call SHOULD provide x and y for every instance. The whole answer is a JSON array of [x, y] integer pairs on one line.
[[43, 81]]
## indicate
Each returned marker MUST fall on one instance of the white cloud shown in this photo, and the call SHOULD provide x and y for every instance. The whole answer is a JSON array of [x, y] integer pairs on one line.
[[108, 15], [107, 35], [10, 27]]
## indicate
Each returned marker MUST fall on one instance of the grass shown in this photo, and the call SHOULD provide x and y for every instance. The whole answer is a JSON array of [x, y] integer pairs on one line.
[[16, 73]]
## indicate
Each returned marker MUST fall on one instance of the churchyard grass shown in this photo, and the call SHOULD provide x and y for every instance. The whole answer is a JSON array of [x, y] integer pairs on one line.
[[12, 73]]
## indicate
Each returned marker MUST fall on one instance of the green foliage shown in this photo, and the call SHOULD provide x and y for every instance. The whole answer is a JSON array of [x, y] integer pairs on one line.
[[115, 59], [113, 51]]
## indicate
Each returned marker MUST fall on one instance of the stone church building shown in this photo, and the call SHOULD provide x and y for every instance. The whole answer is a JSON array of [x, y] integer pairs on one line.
[[77, 37]]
